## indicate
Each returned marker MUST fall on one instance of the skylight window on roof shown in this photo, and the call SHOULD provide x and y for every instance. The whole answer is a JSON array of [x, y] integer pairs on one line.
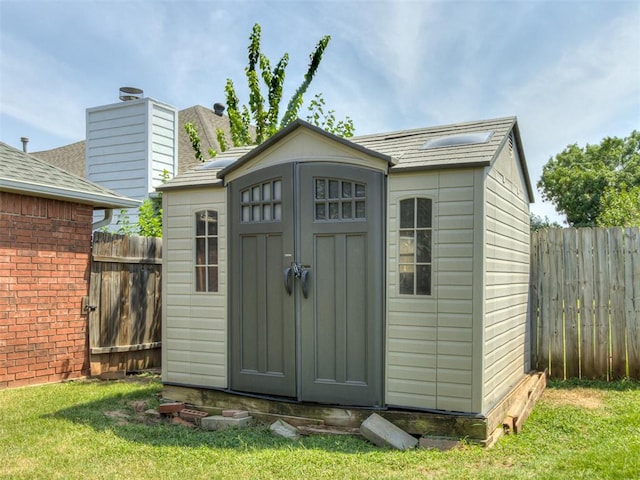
[[472, 138], [217, 164]]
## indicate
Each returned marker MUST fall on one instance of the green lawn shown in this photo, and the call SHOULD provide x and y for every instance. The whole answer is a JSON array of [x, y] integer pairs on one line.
[[86, 430]]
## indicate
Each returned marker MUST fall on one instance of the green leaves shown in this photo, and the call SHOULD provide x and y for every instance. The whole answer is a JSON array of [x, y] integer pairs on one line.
[[296, 100], [327, 121], [254, 123], [576, 179], [620, 208], [192, 131], [150, 219]]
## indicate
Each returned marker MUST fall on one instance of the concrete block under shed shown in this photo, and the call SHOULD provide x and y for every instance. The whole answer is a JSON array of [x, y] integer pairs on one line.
[[235, 413], [383, 433], [218, 422], [283, 429]]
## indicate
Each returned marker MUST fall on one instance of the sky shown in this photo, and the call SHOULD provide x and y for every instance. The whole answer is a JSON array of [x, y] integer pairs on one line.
[[568, 70]]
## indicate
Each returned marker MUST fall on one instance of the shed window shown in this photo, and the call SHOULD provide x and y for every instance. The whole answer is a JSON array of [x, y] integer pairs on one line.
[[415, 243], [206, 251], [262, 202], [339, 200]]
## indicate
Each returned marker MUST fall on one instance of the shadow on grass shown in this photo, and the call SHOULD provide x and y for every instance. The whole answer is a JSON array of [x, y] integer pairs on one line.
[[137, 427], [622, 385]]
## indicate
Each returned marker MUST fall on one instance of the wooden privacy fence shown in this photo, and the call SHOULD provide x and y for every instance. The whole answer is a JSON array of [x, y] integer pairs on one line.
[[585, 302], [124, 303]]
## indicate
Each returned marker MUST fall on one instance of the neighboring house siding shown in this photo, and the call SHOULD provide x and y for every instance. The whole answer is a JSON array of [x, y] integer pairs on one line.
[[195, 323], [430, 338], [129, 145], [117, 148], [45, 248], [506, 277], [164, 146]]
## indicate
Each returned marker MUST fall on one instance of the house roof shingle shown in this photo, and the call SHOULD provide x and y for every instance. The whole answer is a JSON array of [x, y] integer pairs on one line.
[[24, 173]]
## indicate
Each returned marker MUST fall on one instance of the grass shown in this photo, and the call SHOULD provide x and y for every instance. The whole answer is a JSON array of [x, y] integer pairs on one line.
[[90, 430]]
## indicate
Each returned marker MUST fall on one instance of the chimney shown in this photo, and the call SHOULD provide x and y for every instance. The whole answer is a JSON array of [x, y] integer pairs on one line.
[[218, 109], [24, 141], [130, 93]]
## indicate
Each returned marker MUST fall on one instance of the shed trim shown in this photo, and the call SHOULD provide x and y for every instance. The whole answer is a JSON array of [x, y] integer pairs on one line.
[[291, 128]]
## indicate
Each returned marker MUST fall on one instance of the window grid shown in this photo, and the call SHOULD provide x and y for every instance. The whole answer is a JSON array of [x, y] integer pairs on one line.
[[339, 200], [415, 246], [262, 202], [206, 243]]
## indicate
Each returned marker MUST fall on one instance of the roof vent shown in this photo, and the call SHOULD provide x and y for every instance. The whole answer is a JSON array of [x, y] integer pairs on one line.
[[459, 139], [130, 93], [218, 109]]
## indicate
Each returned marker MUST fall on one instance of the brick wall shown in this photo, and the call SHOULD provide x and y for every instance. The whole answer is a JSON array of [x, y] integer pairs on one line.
[[45, 248]]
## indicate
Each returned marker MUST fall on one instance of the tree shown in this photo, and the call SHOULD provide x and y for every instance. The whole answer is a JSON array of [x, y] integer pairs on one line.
[[540, 223], [327, 121], [253, 124], [620, 208], [577, 178], [149, 216]]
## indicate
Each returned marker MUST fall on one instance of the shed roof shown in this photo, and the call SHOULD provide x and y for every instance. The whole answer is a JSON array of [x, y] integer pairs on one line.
[[25, 174], [404, 150]]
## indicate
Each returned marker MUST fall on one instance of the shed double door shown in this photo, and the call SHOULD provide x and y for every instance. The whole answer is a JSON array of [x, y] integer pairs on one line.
[[306, 283]]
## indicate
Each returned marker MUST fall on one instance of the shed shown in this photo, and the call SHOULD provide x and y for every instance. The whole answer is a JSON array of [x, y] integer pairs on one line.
[[45, 247], [385, 272]]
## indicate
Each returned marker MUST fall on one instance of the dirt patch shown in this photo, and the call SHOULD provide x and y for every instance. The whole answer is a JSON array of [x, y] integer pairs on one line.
[[576, 397]]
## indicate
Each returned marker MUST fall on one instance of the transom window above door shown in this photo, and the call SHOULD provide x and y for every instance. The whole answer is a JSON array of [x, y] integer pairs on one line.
[[339, 200], [262, 202]]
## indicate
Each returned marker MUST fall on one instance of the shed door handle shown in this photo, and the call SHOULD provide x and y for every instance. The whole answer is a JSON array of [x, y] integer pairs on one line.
[[288, 280], [304, 277]]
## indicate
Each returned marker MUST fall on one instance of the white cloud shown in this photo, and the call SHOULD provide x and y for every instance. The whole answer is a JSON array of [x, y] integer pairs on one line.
[[39, 90], [591, 90]]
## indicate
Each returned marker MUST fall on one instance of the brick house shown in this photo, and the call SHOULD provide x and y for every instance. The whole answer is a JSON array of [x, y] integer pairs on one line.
[[45, 246]]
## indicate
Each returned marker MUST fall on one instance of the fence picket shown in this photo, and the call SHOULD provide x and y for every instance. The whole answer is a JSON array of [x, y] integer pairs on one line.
[[533, 300], [543, 300], [587, 330], [618, 314], [125, 330], [632, 299], [602, 289], [585, 288], [570, 267], [555, 297]]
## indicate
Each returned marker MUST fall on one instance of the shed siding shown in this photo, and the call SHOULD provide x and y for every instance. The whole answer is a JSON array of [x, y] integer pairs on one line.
[[506, 349], [195, 334], [429, 339]]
